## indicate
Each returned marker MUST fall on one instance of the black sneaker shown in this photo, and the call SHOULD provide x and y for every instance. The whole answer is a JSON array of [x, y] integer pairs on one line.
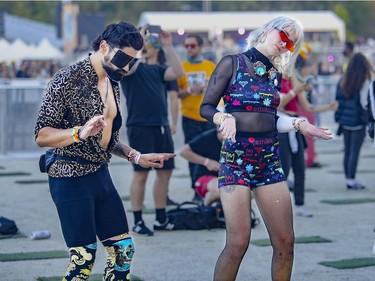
[[170, 202], [163, 226], [142, 229], [356, 186]]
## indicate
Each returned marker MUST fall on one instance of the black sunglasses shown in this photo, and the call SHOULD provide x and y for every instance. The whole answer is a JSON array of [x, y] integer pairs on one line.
[[121, 59]]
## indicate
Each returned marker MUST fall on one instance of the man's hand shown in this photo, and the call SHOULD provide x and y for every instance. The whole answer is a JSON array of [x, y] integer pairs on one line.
[[154, 160], [92, 127]]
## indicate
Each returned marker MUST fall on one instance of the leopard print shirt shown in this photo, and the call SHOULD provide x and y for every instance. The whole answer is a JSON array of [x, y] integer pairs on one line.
[[71, 99]]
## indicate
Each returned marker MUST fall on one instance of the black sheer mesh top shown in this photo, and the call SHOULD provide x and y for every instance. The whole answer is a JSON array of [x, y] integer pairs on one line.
[[251, 98]]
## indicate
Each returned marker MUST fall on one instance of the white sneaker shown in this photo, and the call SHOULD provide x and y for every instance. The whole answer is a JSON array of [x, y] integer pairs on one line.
[[303, 211]]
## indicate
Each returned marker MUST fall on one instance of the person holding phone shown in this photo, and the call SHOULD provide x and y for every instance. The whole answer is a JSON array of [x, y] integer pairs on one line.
[[80, 119], [148, 124], [192, 87]]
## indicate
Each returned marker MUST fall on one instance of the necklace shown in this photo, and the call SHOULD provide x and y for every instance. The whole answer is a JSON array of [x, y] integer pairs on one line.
[[262, 66]]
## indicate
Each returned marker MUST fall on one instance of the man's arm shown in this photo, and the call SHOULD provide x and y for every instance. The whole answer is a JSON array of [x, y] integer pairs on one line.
[[175, 69], [121, 150], [154, 160], [195, 158], [52, 137]]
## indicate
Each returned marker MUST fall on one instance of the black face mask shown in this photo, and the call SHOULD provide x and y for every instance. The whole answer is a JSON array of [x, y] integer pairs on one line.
[[114, 75]]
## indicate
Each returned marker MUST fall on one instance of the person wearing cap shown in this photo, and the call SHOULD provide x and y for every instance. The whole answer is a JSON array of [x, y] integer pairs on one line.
[[148, 126], [192, 89]]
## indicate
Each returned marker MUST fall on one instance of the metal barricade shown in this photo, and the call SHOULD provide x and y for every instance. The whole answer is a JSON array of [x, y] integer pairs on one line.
[[20, 102], [19, 105]]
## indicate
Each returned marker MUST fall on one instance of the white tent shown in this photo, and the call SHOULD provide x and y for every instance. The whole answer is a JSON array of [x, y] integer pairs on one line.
[[44, 51], [19, 50], [4, 44], [217, 22], [13, 51]]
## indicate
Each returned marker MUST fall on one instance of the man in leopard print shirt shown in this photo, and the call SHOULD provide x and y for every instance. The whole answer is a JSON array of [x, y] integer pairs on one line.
[[80, 120]]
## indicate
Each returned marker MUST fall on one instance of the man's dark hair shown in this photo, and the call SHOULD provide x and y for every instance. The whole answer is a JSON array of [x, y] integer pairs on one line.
[[120, 35], [197, 37]]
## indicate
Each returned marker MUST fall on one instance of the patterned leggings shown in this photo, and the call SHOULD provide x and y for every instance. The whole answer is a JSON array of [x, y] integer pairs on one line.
[[119, 256]]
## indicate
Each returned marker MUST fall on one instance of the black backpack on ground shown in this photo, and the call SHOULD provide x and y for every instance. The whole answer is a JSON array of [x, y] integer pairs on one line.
[[192, 216], [7, 226]]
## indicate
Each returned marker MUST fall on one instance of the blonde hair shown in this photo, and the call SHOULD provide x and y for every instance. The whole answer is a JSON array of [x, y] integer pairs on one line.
[[285, 62]]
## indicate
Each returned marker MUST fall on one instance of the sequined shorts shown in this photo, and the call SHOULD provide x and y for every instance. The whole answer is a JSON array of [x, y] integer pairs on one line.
[[253, 160]]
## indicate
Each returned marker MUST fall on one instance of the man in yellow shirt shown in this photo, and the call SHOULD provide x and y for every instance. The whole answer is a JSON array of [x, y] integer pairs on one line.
[[192, 87]]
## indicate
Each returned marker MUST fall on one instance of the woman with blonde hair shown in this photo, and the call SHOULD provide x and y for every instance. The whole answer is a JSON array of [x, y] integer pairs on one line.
[[249, 84]]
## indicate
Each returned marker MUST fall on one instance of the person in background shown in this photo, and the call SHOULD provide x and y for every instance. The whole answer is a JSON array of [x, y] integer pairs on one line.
[[192, 87], [153, 53], [306, 73], [249, 159], [293, 144], [149, 129], [80, 119], [204, 150], [352, 96], [347, 53]]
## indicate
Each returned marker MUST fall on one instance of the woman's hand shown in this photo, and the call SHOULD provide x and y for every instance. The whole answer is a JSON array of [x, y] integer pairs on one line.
[[228, 128], [213, 166], [313, 131], [154, 160]]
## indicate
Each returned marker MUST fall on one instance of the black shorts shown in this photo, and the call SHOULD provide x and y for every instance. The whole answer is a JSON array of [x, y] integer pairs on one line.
[[151, 139], [88, 206]]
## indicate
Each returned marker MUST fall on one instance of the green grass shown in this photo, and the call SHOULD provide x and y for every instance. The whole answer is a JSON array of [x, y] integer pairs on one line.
[[350, 263], [298, 240], [348, 201], [12, 174], [31, 181], [34, 256], [359, 171]]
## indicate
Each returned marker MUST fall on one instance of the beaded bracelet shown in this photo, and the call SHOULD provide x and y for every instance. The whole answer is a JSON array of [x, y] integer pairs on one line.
[[133, 156], [75, 134], [297, 123]]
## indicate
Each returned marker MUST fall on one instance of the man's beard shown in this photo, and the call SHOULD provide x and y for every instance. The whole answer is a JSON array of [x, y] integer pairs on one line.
[[114, 75]]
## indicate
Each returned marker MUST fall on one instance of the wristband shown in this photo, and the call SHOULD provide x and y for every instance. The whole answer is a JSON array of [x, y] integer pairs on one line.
[[133, 156], [297, 123], [206, 162], [75, 134]]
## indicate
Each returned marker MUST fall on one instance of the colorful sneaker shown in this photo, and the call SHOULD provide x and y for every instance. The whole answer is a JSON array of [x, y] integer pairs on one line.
[[142, 229], [303, 211], [165, 226]]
